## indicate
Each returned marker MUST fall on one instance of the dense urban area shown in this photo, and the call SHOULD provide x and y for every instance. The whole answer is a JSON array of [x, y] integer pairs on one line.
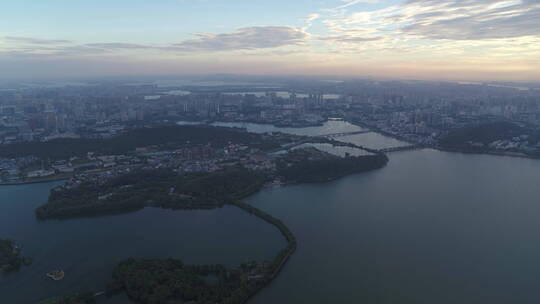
[[492, 118]]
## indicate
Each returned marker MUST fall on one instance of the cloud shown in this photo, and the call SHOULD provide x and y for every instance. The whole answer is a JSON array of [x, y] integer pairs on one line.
[[29, 40], [44, 52], [349, 38], [354, 2], [447, 19], [312, 17], [119, 46], [472, 20], [248, 38]]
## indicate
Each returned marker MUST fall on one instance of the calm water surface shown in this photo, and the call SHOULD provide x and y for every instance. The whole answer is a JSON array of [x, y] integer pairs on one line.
[[329, 127], [431, 227], [88, 249], [370, 140]]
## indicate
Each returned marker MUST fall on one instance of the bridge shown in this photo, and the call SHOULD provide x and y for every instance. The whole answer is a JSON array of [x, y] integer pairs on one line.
[[400, 148], [290, 146], [334, 135]]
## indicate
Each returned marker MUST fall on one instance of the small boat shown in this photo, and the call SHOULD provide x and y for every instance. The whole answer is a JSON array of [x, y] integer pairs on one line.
[[56, 275]]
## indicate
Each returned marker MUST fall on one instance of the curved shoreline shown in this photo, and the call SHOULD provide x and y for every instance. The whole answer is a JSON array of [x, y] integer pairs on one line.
[[280, 260], [276, 263], [439, 148], [44, 181], [289, 236]]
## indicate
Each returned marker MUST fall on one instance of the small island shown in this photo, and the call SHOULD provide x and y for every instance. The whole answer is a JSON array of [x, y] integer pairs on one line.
[[10, 257], [152, 188], [56, 275]]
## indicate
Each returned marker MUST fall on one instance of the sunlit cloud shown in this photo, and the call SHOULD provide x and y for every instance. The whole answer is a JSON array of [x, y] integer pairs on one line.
[[36, 41], [261, 37], [352, 36]]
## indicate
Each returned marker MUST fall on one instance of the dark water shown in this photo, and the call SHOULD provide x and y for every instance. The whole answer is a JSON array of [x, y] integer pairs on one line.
[[431, 227], [88, 249]]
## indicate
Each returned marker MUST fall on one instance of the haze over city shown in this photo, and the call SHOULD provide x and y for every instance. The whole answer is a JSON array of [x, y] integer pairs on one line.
[[416, 39], [263, 152]]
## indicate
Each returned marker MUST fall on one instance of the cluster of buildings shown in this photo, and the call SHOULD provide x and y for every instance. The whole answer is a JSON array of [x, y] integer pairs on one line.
[[43, 114], [516, 143], [419, 112], [187, 159]]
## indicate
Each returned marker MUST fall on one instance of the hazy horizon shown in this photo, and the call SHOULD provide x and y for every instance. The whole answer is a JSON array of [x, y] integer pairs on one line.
[[473, 40]]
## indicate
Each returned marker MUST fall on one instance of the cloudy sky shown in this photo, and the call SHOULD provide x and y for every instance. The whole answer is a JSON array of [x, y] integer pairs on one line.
[[420, 39]]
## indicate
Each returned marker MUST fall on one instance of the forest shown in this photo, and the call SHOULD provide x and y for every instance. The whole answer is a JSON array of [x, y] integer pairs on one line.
[[304, 170], [164, 136], [152, 188], [485, 133], [170, 281]]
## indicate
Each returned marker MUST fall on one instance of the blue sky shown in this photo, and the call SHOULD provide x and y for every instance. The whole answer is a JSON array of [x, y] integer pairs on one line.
[[142, 20], [455, 39]]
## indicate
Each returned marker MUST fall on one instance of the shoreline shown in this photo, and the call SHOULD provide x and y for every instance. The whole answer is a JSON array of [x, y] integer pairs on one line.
[[41, 181], [492, 153], [283, 255], [255, 122], [277, 261], [441, 149], [286, 233]]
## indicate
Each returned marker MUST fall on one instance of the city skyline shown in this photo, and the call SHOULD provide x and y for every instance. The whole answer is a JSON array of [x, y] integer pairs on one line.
[[419, 39]]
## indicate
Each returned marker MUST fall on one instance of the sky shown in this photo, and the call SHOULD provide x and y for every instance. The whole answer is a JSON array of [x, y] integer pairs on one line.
[[467, 40]]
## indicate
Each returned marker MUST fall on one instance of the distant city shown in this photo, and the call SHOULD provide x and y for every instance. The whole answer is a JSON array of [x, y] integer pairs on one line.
[[422, 113], [105, 148]]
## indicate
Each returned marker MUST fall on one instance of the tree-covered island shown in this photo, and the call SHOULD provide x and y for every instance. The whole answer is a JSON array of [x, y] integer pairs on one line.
[[152, 188], [10, 257]]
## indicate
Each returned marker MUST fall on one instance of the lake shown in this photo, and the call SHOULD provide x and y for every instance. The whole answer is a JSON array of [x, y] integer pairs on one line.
[[431, 227], [88, 249], [329, 127]]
